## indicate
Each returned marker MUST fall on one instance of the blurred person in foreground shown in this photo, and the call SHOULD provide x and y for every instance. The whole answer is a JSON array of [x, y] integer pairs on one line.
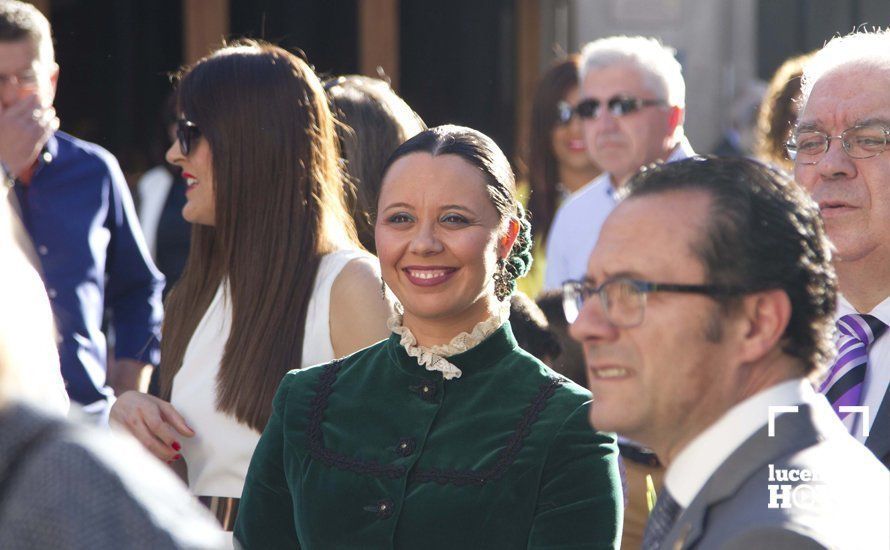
[[841, 158], [77, 209], [275, 278], [28, 320], [62, 485], [705, 315], [633, 103], [373, 121], [557, 159], [446, 435], [778, 114]]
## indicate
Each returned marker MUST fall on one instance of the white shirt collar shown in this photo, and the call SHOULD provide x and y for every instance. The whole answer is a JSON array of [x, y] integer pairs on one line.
[[881, 311], [682, 150], [567, 195], [695, 464]]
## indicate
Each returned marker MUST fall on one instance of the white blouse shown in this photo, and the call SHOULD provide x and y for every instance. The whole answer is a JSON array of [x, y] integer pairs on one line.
[[219, 453]]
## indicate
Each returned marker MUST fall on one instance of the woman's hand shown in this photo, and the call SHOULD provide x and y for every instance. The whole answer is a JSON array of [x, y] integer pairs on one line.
[[154, 422]]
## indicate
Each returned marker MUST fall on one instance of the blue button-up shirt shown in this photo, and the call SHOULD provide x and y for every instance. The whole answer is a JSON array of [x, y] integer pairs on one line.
[[79, 213]]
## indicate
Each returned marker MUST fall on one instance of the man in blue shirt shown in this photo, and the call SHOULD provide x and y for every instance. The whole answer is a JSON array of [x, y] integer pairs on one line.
[[77, 209]]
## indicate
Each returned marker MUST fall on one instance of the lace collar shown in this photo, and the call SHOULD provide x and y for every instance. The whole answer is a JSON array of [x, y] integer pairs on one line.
[[433, 358]]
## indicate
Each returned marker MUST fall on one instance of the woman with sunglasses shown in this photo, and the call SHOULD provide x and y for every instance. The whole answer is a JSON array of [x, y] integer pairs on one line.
[[275, 278], [446, 435], [558, 163]]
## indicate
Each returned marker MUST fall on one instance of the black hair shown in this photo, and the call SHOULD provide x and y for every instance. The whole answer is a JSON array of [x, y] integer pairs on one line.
[[764, 232], [531, 328]]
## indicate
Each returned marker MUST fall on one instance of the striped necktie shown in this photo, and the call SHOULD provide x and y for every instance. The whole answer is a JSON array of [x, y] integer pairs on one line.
[[661, 520], [843, 385]]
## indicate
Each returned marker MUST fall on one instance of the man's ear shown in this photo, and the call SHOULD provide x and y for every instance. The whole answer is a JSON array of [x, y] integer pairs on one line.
[[767, 315], [505, 243], [675, 119]]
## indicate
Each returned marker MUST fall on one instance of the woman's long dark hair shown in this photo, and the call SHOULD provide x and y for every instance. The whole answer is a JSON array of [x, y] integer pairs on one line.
[[279, 209], [543, 173]]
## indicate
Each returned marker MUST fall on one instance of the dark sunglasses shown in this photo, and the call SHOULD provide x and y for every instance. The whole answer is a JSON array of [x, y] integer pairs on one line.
[[186, 131], [564, 113], [617, 106]]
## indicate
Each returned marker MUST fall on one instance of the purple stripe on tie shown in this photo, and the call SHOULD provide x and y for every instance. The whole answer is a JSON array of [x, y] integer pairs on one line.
[[847, 342], [858, 351], [856, 328], [851, 398], [843, 385], [838, 371]]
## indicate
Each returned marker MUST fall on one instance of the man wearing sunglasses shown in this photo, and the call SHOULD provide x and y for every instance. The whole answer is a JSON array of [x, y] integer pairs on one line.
[[632, 102], [841, 158], [77, 209], [705, 315]]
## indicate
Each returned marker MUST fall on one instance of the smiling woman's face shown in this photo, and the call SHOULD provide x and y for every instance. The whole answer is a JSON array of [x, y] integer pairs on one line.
[[437, 239]]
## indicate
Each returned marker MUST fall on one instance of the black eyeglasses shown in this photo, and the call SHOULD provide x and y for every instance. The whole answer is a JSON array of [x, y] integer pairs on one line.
[[186, 131], [564, 113], [624, 299], [618, 105], [859, 142]]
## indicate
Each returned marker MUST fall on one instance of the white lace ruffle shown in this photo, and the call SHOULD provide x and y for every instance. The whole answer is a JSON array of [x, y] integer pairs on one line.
[[433, 358]]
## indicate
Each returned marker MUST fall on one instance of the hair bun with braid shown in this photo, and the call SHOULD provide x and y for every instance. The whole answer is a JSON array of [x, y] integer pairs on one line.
[[520, 259]]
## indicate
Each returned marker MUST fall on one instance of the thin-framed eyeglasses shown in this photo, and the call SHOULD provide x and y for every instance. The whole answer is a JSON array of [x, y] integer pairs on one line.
[[859, 142], [186, 133], [624, 299], [619, 105]]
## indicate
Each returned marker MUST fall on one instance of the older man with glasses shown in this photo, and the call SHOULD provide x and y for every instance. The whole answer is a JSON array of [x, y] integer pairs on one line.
[[840, 155], [705, 315], [76, 207], [633, 100]]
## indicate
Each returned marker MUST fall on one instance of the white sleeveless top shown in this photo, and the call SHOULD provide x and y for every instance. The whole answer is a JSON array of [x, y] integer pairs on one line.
[[219, 453]]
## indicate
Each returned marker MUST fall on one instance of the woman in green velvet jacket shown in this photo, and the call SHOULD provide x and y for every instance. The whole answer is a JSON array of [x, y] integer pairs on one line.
[[446, 435]]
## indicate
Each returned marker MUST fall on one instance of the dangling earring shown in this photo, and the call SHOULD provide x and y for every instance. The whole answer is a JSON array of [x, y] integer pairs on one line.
[[501, 281]]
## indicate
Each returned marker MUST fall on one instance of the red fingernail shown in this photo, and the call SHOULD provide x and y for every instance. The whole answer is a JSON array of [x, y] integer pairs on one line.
[[176, 446], [177, 457]]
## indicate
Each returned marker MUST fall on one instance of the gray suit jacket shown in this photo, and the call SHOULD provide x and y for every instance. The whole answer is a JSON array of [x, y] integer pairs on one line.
[[878, 440], [69, 487], [848, 508]]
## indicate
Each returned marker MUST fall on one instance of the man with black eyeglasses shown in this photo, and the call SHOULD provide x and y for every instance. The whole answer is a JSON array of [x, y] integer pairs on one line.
[[841, 158], [705, 316], [633, 100], [77, 209]]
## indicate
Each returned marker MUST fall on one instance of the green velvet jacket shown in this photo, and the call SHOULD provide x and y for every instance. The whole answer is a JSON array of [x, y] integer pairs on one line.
[[374, 451]]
